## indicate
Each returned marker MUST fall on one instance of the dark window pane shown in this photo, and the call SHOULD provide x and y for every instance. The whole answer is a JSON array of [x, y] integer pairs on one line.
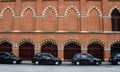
[[115, 20]]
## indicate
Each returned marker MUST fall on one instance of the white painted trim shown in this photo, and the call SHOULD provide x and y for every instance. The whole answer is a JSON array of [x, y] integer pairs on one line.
[[50, 7], [96, 8], [72, 7], [28, 7]]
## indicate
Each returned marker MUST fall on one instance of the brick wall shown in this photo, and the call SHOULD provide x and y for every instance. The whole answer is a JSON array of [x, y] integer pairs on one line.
[[83, 20]]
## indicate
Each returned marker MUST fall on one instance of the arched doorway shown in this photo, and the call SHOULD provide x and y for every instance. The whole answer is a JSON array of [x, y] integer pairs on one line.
[[26, 51], [50, 48], [96, 50], [115, 48], [5, 47], [115, 19], [71, 49]]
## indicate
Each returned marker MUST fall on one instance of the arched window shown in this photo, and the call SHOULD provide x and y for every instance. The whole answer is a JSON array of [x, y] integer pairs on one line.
[[115, 20]]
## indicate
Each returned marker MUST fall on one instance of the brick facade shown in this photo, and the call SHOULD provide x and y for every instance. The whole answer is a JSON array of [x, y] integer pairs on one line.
[[60, 22]]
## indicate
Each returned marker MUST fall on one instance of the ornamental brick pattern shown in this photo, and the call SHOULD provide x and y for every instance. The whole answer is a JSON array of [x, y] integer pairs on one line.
[[60, 22]]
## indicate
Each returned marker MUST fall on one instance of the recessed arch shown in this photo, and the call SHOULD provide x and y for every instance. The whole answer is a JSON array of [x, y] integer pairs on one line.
[[96, 48], [50, 46], [47, 41], [71, 7], [2, 40], [49, 7], [72, 41], [26, 51], [7, 8], [96, 41], [28, 7], [24, 41], [26, 48], [114, 42], [114, 46], [6, 45], [96, 8], [71, 47]]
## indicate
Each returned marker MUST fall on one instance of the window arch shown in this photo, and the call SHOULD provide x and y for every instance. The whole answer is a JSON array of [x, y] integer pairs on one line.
[[115, 19], [49, 46]]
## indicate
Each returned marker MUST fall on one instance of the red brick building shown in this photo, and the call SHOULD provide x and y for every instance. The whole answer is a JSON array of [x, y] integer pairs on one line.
[[60, 27]]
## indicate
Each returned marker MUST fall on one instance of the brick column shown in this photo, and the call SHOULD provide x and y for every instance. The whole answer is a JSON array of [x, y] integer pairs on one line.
[[61, 52], [106, 19], [84, 48], [17, 17], [37, 50], [83, 12], [0, 5], [107, 23], [61, 15], [39, 10], [18, 7], [106, 52], [15, 50]]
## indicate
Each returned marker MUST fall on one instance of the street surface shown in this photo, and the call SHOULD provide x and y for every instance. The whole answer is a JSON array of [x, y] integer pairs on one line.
[[65, 67]]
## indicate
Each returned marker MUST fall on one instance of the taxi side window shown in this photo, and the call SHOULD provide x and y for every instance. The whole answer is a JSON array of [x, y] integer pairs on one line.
[[118, 56]]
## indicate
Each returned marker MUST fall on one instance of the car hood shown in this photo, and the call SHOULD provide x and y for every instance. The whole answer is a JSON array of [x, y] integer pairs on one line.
[[97, 59], [16, 58], [59, 59]]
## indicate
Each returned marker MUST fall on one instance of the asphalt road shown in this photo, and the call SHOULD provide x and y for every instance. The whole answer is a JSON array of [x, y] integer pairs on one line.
[[65, 67]]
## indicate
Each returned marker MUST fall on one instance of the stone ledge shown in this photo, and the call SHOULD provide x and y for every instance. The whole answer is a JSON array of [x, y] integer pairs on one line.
[[58, 32]]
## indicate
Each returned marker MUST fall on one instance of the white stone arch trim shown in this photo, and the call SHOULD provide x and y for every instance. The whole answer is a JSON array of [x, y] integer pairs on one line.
[[26, 40], [48, 41], [72, 7], [113, 42], [50, 7], [28, 7], [96, 8], [2, 40], [95, 41], [72, 41], [7, 8], [115, 7]]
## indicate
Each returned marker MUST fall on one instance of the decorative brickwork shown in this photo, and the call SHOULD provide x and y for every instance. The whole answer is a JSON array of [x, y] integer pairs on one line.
[[59, 23]]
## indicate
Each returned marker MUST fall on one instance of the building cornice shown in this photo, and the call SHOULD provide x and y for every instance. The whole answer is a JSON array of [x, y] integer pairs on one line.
[[58, 32]]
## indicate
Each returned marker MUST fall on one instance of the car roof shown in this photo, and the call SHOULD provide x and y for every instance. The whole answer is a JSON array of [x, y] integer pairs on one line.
[[4, 52], [115, 54], [82, 54], [44, 53]]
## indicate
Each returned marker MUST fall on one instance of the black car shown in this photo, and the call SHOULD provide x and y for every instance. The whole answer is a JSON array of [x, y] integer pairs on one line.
[[9, 58], [46, 58], [115, 59], [86, 59]]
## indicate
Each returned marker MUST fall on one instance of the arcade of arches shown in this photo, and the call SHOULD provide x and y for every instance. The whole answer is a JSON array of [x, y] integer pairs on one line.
[[27, 50]]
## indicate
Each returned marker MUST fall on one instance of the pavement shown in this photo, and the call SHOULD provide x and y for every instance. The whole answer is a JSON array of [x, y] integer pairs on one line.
[[27, 66]]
